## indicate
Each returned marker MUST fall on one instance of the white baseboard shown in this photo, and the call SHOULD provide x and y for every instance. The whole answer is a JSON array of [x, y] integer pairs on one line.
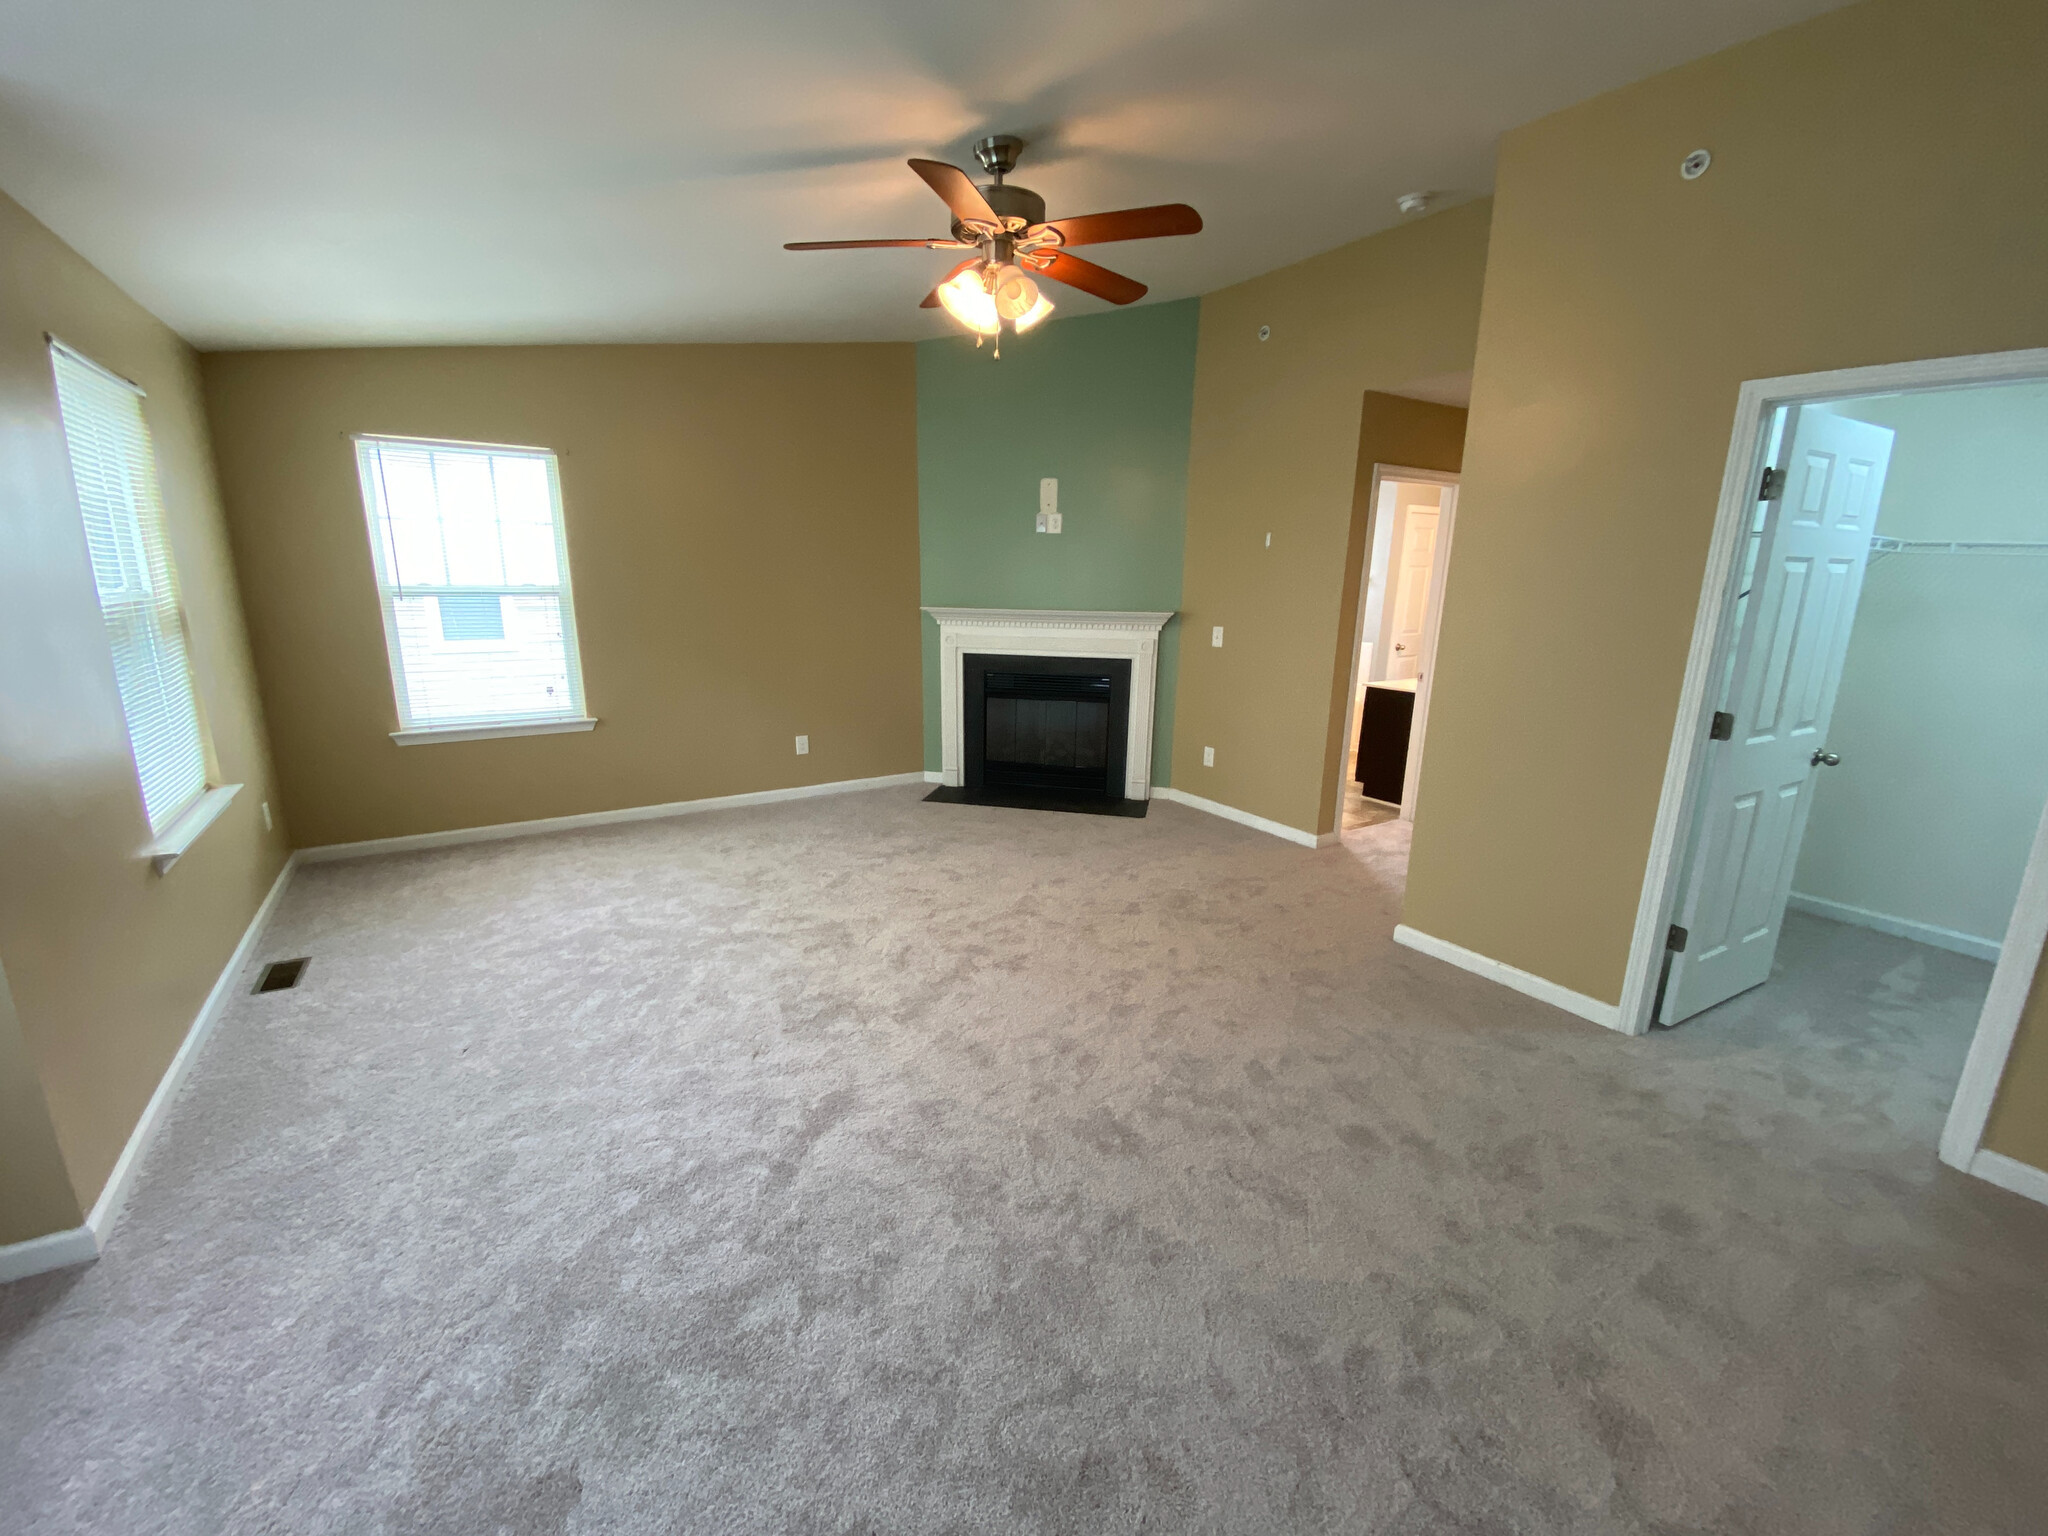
[[1607, 1015], [39, 1255], [2010, 1173], [1245, 818], [932, 776], [490, 834], [107, 1208], [1976, 947]]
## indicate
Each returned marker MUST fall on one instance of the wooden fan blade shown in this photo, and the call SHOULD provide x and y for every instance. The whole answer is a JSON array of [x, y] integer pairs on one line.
[[1087, 276], [931, 300], [874, 245], [961, 194], [1126, 224]]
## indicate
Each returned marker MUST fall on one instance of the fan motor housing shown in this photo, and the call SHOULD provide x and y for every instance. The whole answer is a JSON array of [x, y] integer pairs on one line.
[[1020, 207]]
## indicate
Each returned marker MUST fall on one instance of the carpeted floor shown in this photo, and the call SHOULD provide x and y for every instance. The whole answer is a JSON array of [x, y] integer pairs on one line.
[[863, 1165]]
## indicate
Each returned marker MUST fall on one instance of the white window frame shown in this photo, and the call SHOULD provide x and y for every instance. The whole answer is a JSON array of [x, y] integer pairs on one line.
[[411, 730], [133, 525]]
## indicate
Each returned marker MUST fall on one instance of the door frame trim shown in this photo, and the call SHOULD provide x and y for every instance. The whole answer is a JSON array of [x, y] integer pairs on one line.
[[1712, 629], [1437, 577], [1686, 761]]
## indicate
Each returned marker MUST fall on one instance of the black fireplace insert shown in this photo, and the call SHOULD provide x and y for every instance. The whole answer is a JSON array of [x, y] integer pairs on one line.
[[1046, 731]]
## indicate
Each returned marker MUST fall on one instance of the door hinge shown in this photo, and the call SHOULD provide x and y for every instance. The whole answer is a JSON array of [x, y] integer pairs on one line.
[[1773, 486], [1675, 939], [1723, 728]]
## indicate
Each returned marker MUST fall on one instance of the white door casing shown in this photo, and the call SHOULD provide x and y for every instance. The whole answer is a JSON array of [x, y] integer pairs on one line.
[[1812, 545]]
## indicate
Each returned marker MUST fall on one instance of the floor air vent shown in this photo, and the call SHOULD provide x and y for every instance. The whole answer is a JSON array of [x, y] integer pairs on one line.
[[282, 974]]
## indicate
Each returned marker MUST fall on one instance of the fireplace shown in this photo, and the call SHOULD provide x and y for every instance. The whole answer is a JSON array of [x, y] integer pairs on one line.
[[1045, 726], [1072, 695]]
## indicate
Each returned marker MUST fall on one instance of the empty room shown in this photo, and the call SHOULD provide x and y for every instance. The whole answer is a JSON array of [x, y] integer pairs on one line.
[[869, 769]]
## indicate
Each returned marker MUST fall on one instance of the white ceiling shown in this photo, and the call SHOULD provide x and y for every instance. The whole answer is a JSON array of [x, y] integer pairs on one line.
[[282, 173]]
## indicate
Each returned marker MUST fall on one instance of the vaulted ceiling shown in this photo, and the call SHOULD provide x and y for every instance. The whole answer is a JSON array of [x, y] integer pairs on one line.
[[281, 173]]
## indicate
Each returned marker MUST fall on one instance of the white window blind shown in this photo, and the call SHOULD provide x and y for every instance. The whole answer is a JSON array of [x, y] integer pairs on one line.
[[473, 574], [114, 468]]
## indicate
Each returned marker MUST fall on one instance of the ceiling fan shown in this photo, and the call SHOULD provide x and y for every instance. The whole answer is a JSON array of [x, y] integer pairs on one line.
[[1006, 226]]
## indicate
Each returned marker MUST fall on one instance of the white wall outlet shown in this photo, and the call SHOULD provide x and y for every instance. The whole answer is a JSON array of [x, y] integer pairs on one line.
[[1269, 541], [1208, 757], [1045, 522], [1052, 522], [803, 746], [266, 817], [1216, 635]]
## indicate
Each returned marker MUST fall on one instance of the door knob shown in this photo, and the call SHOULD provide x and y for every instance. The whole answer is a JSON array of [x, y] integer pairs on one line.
[[1400, 645], [1824, 759]]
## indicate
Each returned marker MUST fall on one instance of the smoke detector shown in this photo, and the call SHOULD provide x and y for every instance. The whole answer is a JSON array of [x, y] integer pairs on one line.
[[1414, 202]]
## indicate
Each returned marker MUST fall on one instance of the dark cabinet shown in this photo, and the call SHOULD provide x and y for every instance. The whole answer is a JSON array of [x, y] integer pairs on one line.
[[1383, 727]]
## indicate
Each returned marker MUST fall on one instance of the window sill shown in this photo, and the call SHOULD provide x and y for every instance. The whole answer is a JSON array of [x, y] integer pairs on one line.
[[484, 730], [184, 832]]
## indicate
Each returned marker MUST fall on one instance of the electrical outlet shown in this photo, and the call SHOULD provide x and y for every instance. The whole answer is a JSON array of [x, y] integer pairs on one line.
[[803, 746], [1208, 757], [1044, 522], [266, 817], [1216, 635], [1053, 521], [1269, 541]]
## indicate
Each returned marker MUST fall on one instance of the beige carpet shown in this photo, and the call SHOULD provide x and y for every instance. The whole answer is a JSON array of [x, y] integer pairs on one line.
[[863, 1165]]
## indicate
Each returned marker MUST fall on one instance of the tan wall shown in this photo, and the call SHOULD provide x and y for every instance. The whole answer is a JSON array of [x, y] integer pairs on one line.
[[742, 528], [108, 962], [2018, 1126], [1413, 434], [36, 1196], [1854, 214], [1275, 450]]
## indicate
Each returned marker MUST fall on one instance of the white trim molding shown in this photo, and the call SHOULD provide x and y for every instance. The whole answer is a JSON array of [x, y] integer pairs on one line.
[[1713, 623], [54, 1250], [83, 1244], [1247, 819], [181, 834], [114, 1193], [487, 730], [1951, 939], [2010, 1173], [2026, 936], [419, 841], [1131, 636], [1607, 1015]]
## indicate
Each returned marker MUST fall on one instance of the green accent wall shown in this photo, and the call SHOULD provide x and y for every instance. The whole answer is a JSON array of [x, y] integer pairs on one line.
[[1102, 403]]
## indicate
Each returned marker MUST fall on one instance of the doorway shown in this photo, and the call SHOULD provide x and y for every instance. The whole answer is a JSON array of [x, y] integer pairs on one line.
[[1860, 748], [1400, 595]]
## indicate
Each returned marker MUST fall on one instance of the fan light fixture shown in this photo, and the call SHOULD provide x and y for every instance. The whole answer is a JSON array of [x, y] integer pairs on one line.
[[983, 296], [1018, 246]]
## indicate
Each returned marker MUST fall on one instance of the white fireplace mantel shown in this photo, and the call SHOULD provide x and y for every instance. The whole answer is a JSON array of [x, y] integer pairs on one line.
[[1053, 632]]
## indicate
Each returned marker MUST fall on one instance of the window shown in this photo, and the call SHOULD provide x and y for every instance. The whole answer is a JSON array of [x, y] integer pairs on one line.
[[473, 575], [114, 468]]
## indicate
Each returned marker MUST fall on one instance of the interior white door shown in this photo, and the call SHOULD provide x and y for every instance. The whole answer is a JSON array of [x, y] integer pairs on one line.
[[1810, 547], [1408, 608]]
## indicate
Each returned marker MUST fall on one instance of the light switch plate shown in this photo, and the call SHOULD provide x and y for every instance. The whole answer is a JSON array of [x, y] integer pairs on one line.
[[1044, 519], [803, 746], [1216, 635], [1208, 757]]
